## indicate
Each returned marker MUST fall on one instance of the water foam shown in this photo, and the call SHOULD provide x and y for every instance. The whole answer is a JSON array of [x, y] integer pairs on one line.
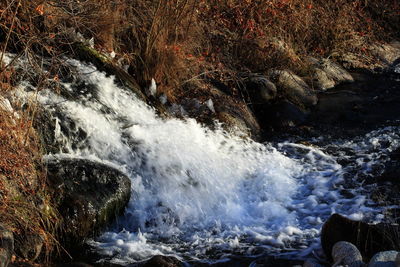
[[198, 193]]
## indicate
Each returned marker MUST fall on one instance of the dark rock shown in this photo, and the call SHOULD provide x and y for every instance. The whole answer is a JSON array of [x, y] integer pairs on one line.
[[163, 261], [369, 239], [88, 195], [103, 63], [392, 167], [58, 132], [123, 78], [286, 114], [6, 246], [353, 109], [312, 263], [260, 89]]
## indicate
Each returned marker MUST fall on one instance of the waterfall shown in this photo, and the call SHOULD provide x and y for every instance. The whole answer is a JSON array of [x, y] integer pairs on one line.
[[200, 193]]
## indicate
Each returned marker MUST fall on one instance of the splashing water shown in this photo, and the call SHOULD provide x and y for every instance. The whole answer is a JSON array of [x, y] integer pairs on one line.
[[200, 193]]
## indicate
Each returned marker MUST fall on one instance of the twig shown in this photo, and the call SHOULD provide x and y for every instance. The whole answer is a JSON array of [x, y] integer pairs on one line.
[[9, 33]]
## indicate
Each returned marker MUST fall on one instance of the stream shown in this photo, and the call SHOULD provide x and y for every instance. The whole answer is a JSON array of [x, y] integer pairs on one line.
[[204, 195]]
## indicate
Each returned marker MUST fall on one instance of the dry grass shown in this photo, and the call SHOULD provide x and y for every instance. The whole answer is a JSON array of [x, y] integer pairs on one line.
[[25, 206], [176, 40]]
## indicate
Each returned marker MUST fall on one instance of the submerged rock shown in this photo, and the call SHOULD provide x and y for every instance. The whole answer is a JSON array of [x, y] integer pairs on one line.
[[369, 239], [6, 246], [384, 259], [88, 195]]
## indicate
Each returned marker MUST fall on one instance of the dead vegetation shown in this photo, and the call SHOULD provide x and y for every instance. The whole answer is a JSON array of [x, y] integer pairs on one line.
[[25, 206]]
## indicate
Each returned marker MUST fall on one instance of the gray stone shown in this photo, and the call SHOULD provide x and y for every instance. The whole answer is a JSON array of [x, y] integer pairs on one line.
[[369, 238], [346, 253], [6, 246], [386, 53], [294, 88], [88, 196], [327, 74], [384, 259], [235, 115]]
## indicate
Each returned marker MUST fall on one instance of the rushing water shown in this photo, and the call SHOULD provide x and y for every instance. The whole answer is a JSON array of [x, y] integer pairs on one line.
[[205, 194]]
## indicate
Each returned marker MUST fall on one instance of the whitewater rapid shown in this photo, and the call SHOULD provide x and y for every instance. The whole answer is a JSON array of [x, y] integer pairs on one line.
[[205, 194]]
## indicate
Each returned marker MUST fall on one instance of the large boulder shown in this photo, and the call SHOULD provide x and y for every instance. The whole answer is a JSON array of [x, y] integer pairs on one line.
[[369, 239], [293, 88], [207, 103], [88, 195], [387, 53], [6, 246], [327, 74], [260, 89]]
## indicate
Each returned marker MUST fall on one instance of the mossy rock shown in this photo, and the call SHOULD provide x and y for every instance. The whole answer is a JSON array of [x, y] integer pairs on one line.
[[88, 195], [103, 63]]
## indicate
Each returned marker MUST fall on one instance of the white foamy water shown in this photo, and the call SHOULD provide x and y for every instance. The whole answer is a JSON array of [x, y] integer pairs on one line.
[[198, 193]]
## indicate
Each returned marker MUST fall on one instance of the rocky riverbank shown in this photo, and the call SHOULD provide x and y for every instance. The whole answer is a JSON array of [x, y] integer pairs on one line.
[[89, 195]]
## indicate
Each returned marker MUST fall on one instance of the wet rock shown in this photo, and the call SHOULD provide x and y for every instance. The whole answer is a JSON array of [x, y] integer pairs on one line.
[[103, 63], [260, 89], [236, 117], [163, 261], [6, 246], [29, 246], [391, 172], [369, 239], [327, 74], [312, 263], [352, 109], [58, 132], [397, 260], [235, 114], [384, 259], [347, 254], [88, 195], [292, 87], [285, 114]]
